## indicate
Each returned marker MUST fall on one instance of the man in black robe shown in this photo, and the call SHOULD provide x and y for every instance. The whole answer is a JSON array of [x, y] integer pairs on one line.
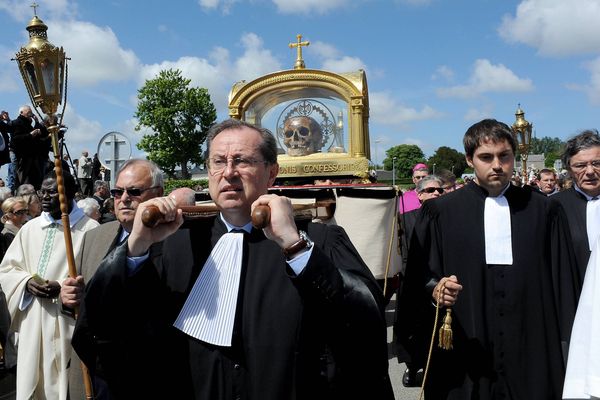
[[308, 321], [483, 250], [581, 202], [30, 143]]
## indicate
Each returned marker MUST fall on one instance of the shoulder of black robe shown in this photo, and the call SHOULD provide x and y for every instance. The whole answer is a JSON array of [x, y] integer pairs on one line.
[[124, 331], [574, 205], [449, 240], [337, 284], [567, 275]]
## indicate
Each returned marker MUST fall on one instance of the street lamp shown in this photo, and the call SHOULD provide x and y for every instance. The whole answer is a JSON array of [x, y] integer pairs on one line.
[[521, 131], [394, 171], [433, 168], [43, 67]]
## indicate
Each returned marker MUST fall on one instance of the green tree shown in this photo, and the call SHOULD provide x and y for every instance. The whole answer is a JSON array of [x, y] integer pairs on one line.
[[179, 117], [407, 155], [448, 158], [546, 145]]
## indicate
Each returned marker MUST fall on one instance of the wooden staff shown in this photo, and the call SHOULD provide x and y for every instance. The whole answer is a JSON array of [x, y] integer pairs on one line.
[[64, 209], [261, 215]]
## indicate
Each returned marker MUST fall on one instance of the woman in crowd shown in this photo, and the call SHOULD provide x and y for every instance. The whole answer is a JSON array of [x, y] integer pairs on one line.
[[15, 213]]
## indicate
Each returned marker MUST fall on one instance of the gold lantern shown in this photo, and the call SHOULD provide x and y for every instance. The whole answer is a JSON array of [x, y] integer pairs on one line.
[[521, 131]]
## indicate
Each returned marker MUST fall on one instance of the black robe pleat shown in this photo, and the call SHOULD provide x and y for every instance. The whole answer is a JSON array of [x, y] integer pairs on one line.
[[506, 323], [321, 334]]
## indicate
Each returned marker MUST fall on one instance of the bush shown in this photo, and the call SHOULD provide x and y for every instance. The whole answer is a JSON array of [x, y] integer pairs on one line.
[[197, 185]]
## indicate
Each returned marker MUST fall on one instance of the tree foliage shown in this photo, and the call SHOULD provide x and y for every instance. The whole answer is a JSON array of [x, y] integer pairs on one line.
[[448, 158], [546, 145], [179, 117], [407, 155]]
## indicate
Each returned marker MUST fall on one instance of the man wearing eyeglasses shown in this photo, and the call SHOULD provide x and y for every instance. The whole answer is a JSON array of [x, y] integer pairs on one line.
[[137, 180], [285, 312], [582, 206], [581, 202], [30, 275]]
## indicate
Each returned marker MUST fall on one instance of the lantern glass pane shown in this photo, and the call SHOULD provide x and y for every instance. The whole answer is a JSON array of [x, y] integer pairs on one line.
[[61, 77], [30, 74], [47, 67]]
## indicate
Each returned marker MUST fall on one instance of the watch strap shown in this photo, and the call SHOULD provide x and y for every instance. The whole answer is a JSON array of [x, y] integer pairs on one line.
[[302, 243]]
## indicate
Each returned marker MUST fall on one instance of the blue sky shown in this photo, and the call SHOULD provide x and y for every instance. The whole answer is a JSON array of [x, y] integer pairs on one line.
[[434, 67]]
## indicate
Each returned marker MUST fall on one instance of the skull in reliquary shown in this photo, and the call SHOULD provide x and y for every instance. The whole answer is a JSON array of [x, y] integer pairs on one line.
[[302, 136]]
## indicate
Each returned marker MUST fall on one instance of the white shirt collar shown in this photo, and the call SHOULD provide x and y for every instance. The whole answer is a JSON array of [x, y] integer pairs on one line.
[[74, 217]]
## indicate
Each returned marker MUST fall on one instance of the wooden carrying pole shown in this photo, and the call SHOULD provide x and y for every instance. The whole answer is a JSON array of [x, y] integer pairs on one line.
[[64, 209], [152, 216]]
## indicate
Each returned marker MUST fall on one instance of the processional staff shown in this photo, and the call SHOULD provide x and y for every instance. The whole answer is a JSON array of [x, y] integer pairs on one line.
[[43, 67]]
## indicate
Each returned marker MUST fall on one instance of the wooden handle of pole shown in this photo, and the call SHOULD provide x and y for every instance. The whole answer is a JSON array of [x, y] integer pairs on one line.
[[151, 216]]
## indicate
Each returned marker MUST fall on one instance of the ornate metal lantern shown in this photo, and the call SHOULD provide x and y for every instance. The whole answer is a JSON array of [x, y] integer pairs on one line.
[[521, 131], [42, 66]]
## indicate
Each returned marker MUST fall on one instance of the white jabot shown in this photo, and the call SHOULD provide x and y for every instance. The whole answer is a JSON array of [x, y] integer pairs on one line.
[[592, 220], [582, 380], [209, 311], [498, 239]]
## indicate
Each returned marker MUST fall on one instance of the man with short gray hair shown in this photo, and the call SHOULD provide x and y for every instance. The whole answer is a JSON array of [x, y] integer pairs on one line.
[[30, 145], [581, 202]]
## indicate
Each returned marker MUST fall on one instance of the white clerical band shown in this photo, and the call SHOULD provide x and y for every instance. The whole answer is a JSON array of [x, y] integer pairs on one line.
[[498, 240], [209, 311]]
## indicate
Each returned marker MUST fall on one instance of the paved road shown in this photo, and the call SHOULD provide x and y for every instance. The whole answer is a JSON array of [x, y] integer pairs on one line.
[[396, 369]]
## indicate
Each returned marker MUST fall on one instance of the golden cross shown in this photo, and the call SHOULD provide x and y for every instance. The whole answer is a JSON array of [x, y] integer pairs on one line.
[[298, 45], [34, 5]]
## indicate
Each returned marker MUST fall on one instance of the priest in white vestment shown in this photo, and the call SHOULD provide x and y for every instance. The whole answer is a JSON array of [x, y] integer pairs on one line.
[[42, 332]]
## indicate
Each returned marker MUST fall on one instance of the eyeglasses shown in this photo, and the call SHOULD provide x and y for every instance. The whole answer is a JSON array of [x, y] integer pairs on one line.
[[132, 192], [432, 189], [578, 167], [50, 192], [218, 165], [22, 211]]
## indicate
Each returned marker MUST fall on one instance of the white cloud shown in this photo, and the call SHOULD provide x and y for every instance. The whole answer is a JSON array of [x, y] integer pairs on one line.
[[82, 134], [593, 89], [48, 9], [218, 72], [477, 114], [95, 53], [386, 110], [343, 64], [324, 50], [443, 72], [555, 27], [225, 5], [310, 6], [333, 60], [487, 77]]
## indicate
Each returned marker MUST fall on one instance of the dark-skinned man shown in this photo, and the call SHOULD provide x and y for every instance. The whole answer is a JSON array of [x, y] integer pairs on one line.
[[286, 312], [38, 249]]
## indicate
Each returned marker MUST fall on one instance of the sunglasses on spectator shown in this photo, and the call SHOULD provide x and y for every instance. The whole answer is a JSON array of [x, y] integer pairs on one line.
[[432, 189], [132, 192], [21, 212]]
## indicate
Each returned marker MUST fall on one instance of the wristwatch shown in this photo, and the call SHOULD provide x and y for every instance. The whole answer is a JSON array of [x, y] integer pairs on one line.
[[304, 243]]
